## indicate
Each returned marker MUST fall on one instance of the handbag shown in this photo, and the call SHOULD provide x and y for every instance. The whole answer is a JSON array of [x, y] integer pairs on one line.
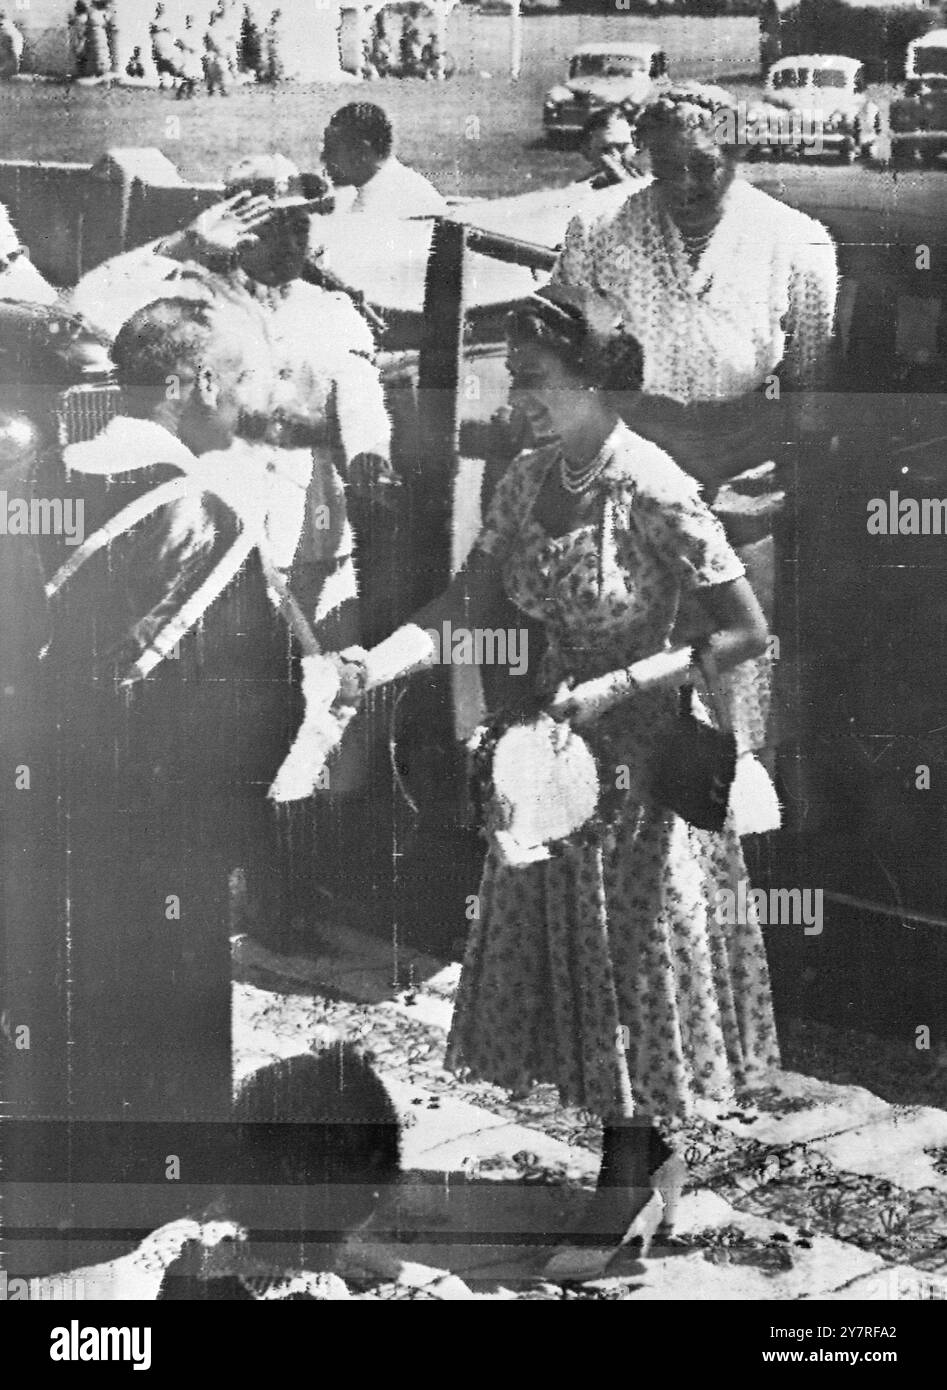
[[697, 763]]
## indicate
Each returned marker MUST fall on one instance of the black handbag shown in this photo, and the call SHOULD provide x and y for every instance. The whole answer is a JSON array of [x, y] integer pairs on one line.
[[697, 764]]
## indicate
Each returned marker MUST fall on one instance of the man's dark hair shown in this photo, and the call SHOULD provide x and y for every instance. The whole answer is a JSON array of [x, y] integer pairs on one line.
[[161, 337], [366, 121]]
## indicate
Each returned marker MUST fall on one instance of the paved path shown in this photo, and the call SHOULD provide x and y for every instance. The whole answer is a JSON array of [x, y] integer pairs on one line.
[[806, 1190]]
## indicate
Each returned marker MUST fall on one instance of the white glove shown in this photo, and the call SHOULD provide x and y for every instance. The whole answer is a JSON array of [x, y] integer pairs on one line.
[[409, 648]]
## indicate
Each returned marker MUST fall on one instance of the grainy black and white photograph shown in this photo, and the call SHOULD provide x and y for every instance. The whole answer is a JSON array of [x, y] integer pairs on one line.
[[473, 648]]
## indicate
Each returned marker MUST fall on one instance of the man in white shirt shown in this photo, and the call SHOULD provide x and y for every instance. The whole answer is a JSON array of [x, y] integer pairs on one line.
[[358, 154]]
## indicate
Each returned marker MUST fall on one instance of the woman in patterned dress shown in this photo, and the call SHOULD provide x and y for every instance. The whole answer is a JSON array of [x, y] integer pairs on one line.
[[731, 294], [604, 970]]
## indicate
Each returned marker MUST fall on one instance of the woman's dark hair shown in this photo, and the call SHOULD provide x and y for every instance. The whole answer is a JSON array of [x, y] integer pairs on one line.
[[688, 108], [613, 364]]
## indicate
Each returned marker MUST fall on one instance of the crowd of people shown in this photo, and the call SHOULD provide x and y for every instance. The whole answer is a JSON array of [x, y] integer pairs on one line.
[[234, 43], [644, 370]]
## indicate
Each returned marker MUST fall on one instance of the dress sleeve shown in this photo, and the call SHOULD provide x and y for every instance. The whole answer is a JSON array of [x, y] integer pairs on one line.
[[677, 524]]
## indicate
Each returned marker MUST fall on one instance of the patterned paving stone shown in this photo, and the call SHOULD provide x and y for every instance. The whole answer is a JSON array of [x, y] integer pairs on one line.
[[891, 1284], [796, 1109], [804, 1186], [902, 1147]]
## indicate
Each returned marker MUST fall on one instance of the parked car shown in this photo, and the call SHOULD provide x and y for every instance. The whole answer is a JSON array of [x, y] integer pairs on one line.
[[815, 102], [603, 74], [918, 118]]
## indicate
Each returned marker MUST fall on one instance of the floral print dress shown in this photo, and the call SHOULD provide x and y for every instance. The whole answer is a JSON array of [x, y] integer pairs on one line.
[[605, 970]]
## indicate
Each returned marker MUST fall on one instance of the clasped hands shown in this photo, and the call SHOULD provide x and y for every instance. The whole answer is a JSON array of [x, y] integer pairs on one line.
[[580, 704]]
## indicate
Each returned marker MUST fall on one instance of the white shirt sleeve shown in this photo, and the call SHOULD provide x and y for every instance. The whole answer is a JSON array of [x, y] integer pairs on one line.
[[813, 290]]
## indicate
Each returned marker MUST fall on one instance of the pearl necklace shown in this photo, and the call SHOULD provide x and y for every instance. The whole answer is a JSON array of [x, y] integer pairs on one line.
[[577, 480]]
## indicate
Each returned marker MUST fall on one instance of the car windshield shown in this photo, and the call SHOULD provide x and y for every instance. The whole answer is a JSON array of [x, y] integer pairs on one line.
[[930, 62], [606, 65], [830, 77]]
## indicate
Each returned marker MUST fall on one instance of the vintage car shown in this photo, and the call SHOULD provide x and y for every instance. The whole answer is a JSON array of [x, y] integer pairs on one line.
[[814, 102], [602, 74], [918, 118]]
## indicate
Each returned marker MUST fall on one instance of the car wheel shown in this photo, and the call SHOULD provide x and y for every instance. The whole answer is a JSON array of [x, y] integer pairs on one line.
[[848, 150]]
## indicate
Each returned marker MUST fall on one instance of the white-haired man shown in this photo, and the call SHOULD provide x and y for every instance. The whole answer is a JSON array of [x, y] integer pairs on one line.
[[171, 705]]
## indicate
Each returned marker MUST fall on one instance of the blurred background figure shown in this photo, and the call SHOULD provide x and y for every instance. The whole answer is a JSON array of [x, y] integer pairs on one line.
[[98, 52], [608, 146], [162, 48], [190, 67], [252, 50], [135, 67], [11, 47], [78, 35], [224, 25], [274, 67], [380, 55], [216, 67], [412, 44]]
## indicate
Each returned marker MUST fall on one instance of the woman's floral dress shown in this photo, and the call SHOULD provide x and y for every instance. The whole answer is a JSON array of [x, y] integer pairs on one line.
[[615, 944]]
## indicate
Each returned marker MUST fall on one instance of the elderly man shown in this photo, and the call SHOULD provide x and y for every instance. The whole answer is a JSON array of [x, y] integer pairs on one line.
[[358, 154], [171, 704]]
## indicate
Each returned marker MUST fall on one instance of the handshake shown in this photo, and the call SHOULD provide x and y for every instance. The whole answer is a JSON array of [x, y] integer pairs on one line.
[[333, 686], [352, 668]]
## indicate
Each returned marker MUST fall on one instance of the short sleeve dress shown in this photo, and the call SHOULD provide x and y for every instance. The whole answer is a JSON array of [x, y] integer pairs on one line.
[[606, 970]]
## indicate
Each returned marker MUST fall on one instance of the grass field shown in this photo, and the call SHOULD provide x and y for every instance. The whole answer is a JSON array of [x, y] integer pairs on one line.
[[476, 135]]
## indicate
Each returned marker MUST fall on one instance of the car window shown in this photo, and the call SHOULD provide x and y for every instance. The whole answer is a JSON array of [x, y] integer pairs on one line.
[[787, 77], [932, 61], [830, 77], [606, 65]]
